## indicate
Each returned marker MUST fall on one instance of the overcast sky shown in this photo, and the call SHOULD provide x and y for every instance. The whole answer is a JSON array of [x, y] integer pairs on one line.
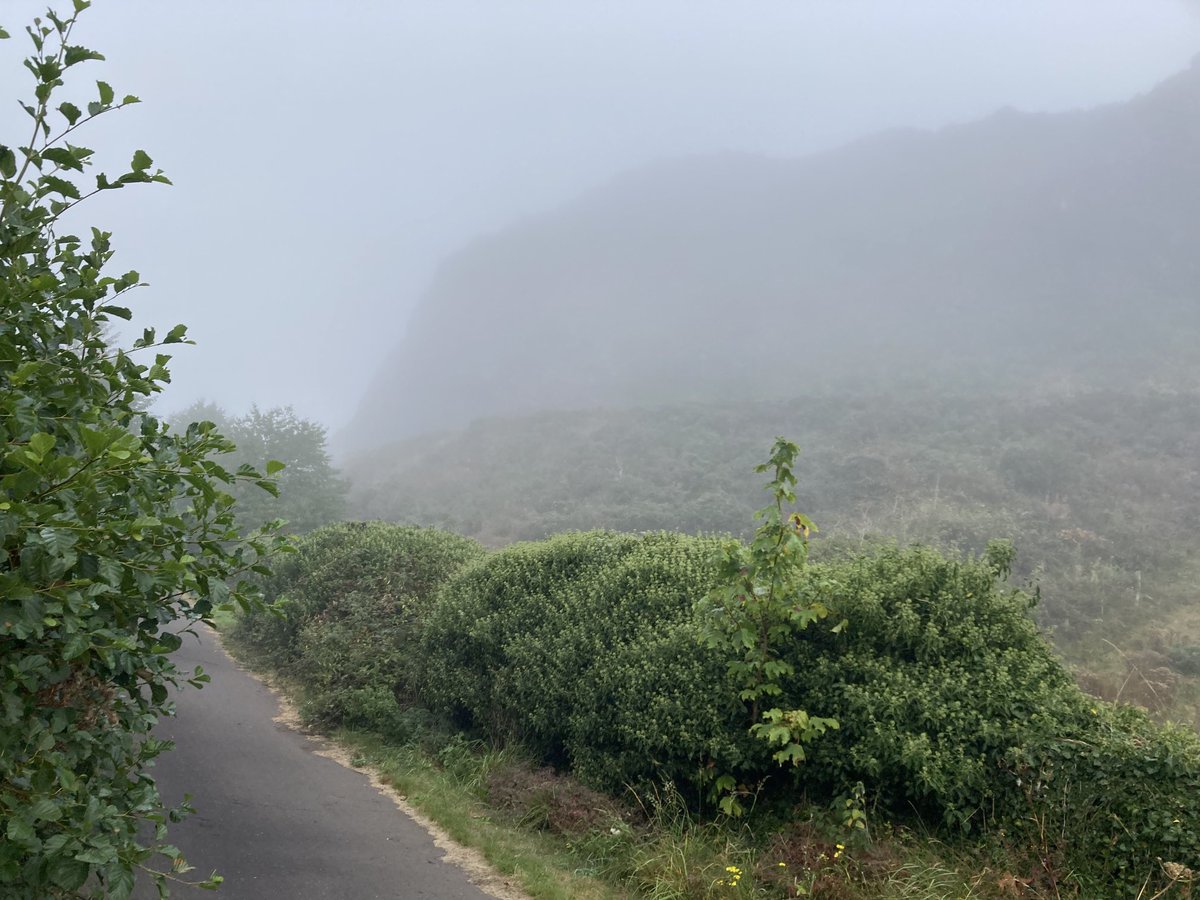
[[328, 155]]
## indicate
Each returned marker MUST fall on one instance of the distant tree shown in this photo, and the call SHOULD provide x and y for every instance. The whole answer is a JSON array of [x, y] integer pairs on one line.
[[311, 492]]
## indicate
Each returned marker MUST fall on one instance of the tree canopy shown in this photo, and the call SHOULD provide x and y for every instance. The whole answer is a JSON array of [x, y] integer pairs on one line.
[[310, 493]]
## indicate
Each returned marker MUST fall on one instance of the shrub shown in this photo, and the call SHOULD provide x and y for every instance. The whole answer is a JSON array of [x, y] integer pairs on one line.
[[584, 648], [952, 704], [351, 602], [292, 594], [1116, 803], [116, 532], [939, 672]]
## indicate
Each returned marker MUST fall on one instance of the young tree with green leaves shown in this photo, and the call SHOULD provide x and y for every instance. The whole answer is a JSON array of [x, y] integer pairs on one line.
[[763, 600], [118, 532]]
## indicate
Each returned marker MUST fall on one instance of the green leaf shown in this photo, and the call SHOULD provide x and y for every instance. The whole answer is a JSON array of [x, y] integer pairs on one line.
[[70, 112], [75, 55], [8, 162], [792, 753], [95, 856], [63, 157], [41, 443], [20, 830], [68, 874], [106, 92], [141, 161], [120, 883], [273, 466], [94, 442], [77, 644], [45, 810], [56, 185]]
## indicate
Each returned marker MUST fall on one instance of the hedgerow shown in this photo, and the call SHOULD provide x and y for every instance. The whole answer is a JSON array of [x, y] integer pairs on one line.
[[588, 650], [583, 647], [348, 606]]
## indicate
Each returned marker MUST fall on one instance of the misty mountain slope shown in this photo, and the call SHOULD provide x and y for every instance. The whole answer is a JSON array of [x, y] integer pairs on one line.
[[1037, 243], [1098, 490]]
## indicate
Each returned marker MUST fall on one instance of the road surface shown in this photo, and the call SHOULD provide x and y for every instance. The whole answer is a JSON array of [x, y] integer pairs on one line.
[[275, 818]]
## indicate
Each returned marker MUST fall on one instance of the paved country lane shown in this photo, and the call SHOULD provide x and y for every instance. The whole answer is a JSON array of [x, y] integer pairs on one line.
[[278, 820]]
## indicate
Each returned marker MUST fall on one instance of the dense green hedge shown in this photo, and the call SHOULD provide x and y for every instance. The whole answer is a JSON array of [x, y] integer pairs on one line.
[[1113, 801], [952, 704], [349, 604], [938, 675], [585, 648]]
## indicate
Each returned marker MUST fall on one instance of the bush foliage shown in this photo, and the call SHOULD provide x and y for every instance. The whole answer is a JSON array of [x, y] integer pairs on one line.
[[349, 605], [587, 649], [583, 648], [117, 531]]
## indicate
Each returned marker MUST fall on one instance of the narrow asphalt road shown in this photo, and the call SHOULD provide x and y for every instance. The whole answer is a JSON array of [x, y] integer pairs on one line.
[[276, 819]]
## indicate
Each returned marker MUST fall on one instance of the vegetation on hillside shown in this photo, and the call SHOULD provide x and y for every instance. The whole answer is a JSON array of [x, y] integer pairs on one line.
[[1095, 488]]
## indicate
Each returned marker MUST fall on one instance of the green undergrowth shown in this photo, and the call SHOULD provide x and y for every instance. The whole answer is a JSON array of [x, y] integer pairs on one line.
[[562, 840], [586, 654]]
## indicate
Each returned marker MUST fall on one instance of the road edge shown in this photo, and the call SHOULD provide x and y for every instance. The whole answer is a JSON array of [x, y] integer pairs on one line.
[[481, 873]]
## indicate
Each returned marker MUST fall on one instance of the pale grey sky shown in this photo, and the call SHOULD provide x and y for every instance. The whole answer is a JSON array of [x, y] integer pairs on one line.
[[328, 155]]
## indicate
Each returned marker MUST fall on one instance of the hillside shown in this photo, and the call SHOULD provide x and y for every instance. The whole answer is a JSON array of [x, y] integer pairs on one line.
[[1021, 247], [1098, 490], [985, 331]]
